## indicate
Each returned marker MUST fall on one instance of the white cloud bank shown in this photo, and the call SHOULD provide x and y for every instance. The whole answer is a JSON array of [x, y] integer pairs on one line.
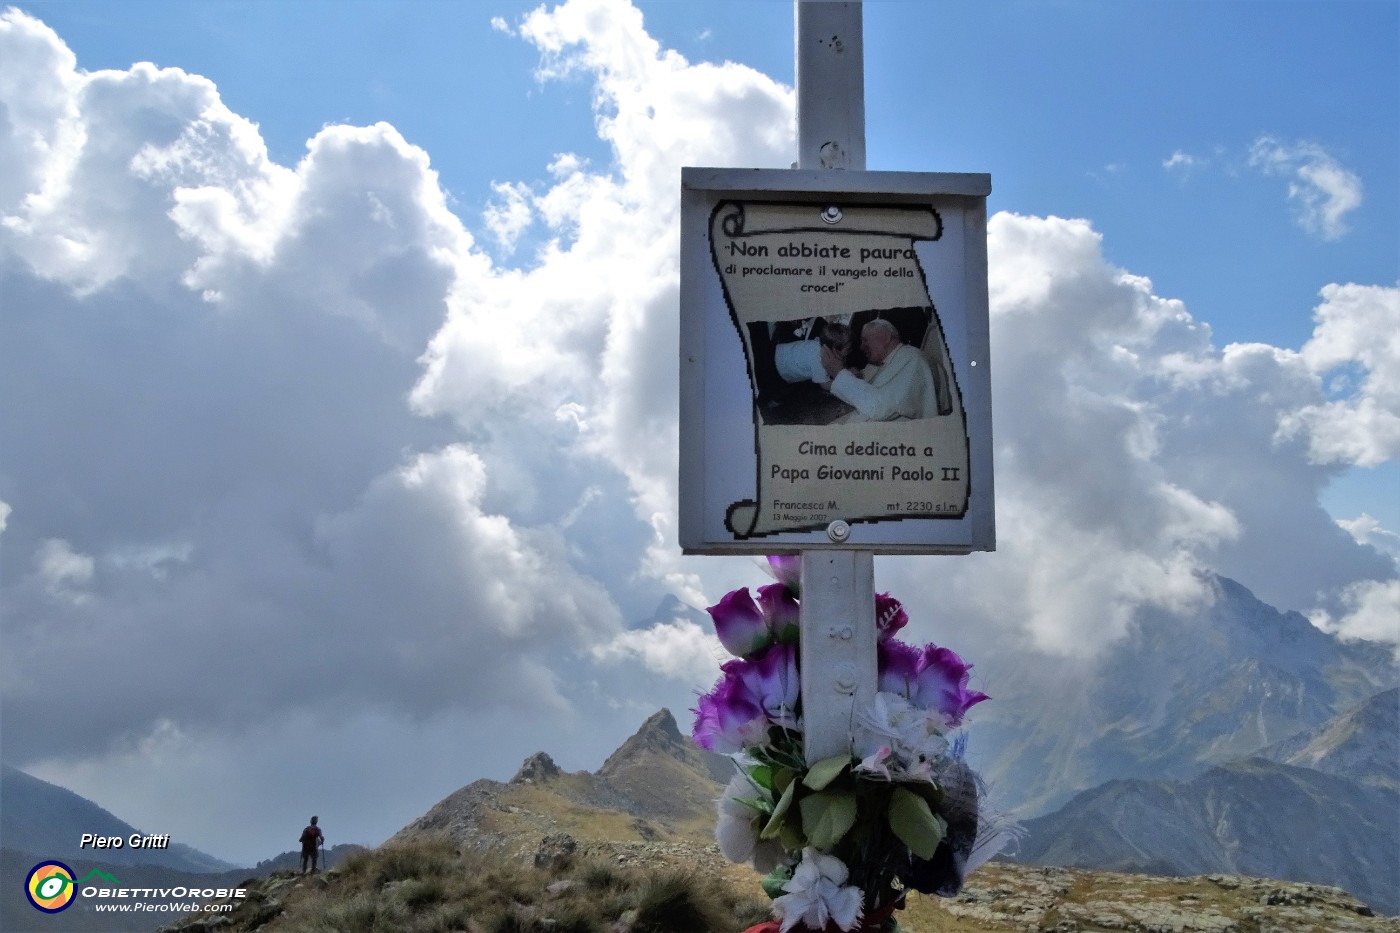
[[307, 454], [213, 355]]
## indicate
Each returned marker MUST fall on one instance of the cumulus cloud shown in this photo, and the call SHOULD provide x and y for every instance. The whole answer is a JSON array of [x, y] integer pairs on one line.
[[1357, 333], [1322, 190], [1369, 609], [1121, 423], [221, 486], [679, 648], [606, 350], [1093, 524], [1192, 444], [1134, 456]]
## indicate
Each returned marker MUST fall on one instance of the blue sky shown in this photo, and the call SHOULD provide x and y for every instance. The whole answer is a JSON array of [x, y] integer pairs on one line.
[[271, 422]]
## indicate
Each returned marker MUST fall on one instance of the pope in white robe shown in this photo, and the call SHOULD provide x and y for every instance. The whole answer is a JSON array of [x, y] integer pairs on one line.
[[898, 383]]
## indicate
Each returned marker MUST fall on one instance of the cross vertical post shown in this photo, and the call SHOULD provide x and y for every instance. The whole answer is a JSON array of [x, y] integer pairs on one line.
[[838, 586], [837, 646], [830, 70]]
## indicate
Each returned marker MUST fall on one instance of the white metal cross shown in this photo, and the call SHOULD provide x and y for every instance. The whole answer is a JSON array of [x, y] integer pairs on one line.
[[838, 586]]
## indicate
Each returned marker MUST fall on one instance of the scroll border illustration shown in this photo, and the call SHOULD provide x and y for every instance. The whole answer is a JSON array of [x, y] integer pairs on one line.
[[733, 225]]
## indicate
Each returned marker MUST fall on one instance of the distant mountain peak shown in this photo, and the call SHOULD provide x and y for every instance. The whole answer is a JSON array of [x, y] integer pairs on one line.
[[1179, 692], [535, 769], [659, 734], [668, 605]]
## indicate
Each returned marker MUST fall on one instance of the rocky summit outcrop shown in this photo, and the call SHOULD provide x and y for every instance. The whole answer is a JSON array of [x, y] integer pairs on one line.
[[656, 786], [538, 767], [662, 774]]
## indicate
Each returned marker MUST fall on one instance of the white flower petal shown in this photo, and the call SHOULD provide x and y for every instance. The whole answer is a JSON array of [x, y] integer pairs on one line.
[[846, 907], [734, 831], [830, 866], [736, 838], [817, 893]]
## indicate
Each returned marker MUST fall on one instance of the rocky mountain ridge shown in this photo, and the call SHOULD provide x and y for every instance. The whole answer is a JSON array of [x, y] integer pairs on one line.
[[1252, 817], [999, 898], [1175, 696], [1362, 744], [656, 786], [1235, 745]]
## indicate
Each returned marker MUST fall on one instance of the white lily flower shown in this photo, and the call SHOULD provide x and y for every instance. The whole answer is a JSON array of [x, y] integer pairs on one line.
[[898, 740], [818, 893]]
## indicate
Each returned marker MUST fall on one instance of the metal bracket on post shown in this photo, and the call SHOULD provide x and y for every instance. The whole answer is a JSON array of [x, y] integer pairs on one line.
[[838, 587]]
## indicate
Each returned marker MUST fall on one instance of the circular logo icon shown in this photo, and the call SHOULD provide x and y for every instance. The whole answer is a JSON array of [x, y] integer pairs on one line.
[[50, 887]]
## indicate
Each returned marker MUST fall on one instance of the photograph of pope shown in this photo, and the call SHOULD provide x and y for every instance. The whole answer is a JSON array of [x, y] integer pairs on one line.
[[849, 368], [897, 383]]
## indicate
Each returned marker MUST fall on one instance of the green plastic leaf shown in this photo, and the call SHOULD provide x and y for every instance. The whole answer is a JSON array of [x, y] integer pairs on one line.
[[773, 882], [930, 792], [914, 823], [762, 805], [775, 822], [826, 817], [762, 775], [825, 771]]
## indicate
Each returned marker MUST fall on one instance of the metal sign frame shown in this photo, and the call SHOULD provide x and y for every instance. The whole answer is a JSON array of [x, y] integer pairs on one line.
[[765, 252]]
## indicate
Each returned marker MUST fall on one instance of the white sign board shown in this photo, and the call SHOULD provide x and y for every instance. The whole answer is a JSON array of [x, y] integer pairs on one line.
[[835, 382]]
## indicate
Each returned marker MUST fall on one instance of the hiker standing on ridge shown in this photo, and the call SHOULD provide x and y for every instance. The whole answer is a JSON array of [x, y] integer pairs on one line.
[[311, 840]]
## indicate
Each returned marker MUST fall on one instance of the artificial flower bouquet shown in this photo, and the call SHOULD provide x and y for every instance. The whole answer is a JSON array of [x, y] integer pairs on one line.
[[841, 840]]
